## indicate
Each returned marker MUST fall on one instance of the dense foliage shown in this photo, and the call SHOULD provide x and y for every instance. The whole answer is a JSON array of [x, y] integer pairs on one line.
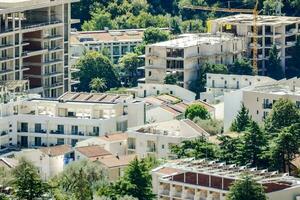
[[242, 120], [196, 110]]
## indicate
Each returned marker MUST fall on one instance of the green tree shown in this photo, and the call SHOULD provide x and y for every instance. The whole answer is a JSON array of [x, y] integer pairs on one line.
[[199, 149], [79, 180], [154, 35], [210, 68], [100, 20], [129, 64], [6, 177], [271, 7], [254, 144], [196, 110], [229, 149], [246, 188], [94, 65], [284, 114], [170, 79], [242, 67], [98, 84], [136, 182], [242, 120], [3, 197], [294, 67], [175, 25], [274, 69], [192, 26], [285, 147], [27, 182]]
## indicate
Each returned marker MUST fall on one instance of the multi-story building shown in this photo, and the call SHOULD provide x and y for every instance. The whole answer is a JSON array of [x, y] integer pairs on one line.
[[259, 99], [210, 180], [114, 42], [184, 56], [218, 84], [281, 31], [70, 118], [157, 139], [34, 44]]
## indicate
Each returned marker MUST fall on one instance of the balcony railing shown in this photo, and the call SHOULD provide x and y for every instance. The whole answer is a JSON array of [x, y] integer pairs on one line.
[[29, 26]]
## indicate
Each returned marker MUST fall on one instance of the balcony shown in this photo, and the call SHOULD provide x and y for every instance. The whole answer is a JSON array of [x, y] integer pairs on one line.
[[40, 131], [37, 25], [3, 133], [164, 192], [58, 48], [33, 52], [57, 84], [52, 73], [53, 37], [4, 46], [57, 132], [6, 58], [6, 71], [54, 61]]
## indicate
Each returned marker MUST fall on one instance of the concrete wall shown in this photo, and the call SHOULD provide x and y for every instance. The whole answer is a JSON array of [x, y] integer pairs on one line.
[[232, 104]]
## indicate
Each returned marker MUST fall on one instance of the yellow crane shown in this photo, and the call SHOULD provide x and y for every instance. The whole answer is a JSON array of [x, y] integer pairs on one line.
[[254, 11]]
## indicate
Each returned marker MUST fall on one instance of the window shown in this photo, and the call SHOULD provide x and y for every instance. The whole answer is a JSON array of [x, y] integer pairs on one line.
[[60, 141], [74, 130], [221, 48], [38, 128], [96, 130], [149, 50], [37, 141], [24, 127], [163, 146], [60, 129], [149, 73]]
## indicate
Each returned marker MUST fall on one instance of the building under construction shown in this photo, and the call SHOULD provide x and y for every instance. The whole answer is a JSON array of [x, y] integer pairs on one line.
[[279, 30]]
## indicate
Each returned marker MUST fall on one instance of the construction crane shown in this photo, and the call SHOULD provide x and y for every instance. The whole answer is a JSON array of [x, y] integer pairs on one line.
[[253, 11]]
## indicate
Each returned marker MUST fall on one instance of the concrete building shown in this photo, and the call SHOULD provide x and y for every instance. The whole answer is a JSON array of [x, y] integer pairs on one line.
[[116, 42], [259, 99], [210, 180], [281, 31], [71, 118], [184, 56], [49, 161], [156, 139], [34, 44], [218, 84]]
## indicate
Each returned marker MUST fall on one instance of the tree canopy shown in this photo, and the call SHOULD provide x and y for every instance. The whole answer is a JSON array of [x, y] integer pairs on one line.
[[95, 65], [242, 67], [274, 69], [242, 120], [196, 110]]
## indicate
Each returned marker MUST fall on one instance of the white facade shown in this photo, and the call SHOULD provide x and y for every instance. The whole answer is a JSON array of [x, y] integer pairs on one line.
[[184, 56], [156, 139], [116, 42], [279, 30], [71, 118], [259, 99], [144, 90], [34, 44], [218, 84]]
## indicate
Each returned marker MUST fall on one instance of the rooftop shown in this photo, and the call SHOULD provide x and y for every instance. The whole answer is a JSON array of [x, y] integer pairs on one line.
[[229, 172], [116, 161], [114, 137], [173, 128], [93, 97], [124, 35], [195, 40], [262, 19], [56, 150], [93, 152]]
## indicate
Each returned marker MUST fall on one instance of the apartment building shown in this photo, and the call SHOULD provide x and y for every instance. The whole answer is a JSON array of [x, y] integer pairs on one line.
[[218, 84], [115, 42], [281, 31], [210, 180], [184, 56], [156, 139], [68, 119], [259, 99], [34, 44]]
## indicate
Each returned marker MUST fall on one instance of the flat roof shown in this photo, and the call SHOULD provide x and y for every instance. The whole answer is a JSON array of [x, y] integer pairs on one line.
[[247, 19], [195, 40], [125, 35]]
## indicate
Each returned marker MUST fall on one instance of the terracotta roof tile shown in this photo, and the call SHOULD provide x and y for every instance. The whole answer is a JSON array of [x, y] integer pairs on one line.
[[56, 150], [93, 151], [113, 161], [115, 137]]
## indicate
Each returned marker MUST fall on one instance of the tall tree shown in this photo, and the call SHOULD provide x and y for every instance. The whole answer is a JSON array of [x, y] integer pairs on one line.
[[254, 144], [98, 84], [100, 20], [129, 64], [170, 79], [229, 148], [242, 120], [196, 110], [246, 188], [294, 67], [284, 148], [136, 182], [94, 65], [27, 182], [284, 114], [274, 69], [242, 67]]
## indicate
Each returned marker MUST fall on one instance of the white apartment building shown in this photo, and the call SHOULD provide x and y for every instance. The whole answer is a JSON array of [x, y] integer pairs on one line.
[[184, 56], [210, 180], [116, 42], [34, 44], [71, 118], [259, 99], [279, 30], [156, 139], [218, 84]]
